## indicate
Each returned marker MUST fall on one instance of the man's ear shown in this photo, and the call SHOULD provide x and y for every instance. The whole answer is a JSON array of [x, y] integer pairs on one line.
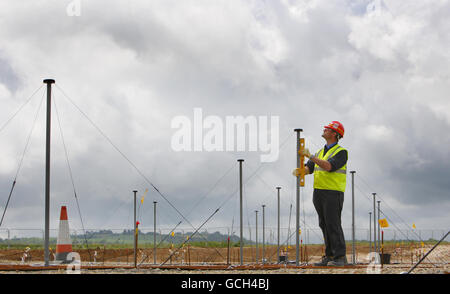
[[338, 137]]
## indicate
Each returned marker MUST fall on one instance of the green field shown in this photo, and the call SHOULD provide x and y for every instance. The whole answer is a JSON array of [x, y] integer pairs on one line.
[[110, 240]]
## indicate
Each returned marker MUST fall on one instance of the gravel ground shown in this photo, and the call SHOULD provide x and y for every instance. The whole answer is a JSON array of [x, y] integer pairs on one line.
[[438, 262], [362, 269], [391, 270]]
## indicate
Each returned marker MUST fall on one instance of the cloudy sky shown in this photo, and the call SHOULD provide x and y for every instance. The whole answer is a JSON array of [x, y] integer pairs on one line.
[[125, 69]]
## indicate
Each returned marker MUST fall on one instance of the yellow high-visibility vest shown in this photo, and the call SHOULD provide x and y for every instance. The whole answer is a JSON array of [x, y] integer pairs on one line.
[[326, 180]]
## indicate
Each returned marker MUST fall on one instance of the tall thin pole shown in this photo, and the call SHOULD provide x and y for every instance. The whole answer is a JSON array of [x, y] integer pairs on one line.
[[378, 228], [49, 83], [154, 232], [263, 238], [135, 230], [370, 232], [241, 214], [278, 225], [256, 229], [353, 217], [374, 224], [289, 233], [297, 214]]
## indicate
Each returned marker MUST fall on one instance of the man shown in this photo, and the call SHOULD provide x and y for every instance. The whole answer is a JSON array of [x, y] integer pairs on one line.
[[329, 168]]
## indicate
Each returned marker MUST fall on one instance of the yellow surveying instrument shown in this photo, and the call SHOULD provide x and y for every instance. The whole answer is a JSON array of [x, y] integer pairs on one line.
[[302, 162]]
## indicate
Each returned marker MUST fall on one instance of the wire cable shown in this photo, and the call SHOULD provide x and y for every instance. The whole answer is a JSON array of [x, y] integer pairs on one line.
[[123, 155], [21, 160], [19, 109], [70, 173], [128, 160]]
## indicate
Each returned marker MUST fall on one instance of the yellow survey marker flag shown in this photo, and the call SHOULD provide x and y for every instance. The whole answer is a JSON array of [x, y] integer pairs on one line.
[[383, 223], [143, 196]]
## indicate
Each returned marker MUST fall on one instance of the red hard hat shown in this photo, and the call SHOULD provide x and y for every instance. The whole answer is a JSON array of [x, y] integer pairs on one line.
[[336, 126]]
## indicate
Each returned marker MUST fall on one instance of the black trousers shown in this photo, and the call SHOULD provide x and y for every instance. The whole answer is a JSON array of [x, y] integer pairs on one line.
[[329, 205]]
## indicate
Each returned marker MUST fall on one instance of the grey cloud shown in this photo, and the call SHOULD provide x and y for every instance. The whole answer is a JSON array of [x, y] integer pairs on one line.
[[8, 77], [139, 66]]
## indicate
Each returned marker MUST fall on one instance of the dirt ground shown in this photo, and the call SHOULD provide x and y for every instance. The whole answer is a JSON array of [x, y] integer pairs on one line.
[[401, 259]]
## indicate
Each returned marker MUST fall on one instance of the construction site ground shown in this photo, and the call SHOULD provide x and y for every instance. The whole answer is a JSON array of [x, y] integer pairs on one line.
[[193, 260]]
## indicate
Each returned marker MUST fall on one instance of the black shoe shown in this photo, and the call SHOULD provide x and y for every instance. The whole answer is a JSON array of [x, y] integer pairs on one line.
[[324, 261], [338, 261]]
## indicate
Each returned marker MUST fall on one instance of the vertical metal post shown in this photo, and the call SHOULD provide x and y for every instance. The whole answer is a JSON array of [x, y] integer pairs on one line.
[[289, 233], [228, 249], [297, 214], [241, 214], [353, 217], [134, 231], [382, 248], [256, 229], [378, 228], [278, 225], [154, 232], [263, 232], [49, 83], [370, 232], [374, 224]]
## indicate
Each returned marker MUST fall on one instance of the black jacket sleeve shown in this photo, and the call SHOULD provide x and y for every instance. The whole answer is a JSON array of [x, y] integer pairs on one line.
[[337, 161]]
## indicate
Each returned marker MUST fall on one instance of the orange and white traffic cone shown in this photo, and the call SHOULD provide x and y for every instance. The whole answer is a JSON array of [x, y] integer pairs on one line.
[[64, 244]]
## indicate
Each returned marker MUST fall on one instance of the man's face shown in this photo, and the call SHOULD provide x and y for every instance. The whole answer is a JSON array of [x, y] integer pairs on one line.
[[328, 134]]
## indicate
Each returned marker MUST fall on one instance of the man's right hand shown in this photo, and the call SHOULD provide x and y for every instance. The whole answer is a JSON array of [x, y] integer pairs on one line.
[[305, 152]]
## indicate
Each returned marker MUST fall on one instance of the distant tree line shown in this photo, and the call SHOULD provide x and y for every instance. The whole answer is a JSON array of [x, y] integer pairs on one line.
[[126, 237]]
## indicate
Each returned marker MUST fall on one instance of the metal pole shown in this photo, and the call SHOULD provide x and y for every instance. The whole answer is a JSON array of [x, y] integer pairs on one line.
[[353, 217], [256, 229], [154, 232], [228, 249], [374, 224], [264, 238], [378, 228], [370, 232], [382, 248], [289, 233], [278, 226], [49, 83], [134, 232], [241, 214], [297, 214]]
